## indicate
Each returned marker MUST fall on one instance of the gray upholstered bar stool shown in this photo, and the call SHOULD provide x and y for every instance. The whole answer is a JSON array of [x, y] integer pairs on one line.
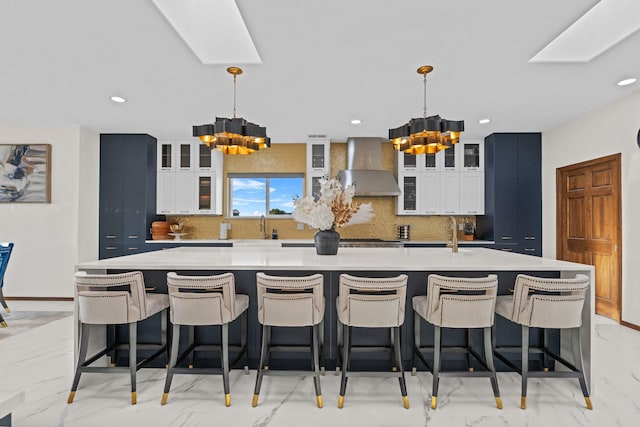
[[199, 301], [457, 302], [290, 302], [112, 299], [546, 303], [368, 302]]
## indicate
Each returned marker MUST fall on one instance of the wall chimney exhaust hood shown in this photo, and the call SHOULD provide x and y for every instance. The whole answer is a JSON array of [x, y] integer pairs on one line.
[[364, 169]]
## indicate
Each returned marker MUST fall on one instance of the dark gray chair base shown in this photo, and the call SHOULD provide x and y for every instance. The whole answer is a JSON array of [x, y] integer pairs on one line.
[[437, 349], [576, 368], [83, 364], [344, 358], [192, 348], [317, 363]]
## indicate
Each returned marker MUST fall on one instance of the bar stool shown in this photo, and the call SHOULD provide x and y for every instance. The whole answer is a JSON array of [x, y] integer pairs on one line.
[[5, 253], [457, 302], [290, 302], [546, 303], [108, 299], [205, 300], [367, 302]]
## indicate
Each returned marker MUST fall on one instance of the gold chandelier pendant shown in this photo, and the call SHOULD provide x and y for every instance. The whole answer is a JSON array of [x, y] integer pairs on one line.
[[426, 134], [235, 135]]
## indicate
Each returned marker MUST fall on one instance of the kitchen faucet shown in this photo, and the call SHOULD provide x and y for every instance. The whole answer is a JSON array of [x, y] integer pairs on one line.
[[263, 226], [454, 235]]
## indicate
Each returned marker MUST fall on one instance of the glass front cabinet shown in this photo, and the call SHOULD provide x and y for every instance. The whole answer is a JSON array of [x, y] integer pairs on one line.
[[189, 179], [450, 182], [318, 163]]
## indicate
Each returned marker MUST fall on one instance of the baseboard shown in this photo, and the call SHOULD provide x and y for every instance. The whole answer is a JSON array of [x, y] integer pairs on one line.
[[39, 298], [630, 325]]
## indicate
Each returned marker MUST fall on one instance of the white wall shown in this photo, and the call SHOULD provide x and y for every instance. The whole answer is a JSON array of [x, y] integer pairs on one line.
[[606, 131], [51, 238]]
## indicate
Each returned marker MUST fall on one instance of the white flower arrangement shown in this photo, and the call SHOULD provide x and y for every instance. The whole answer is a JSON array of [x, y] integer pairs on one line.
[[334, 209]]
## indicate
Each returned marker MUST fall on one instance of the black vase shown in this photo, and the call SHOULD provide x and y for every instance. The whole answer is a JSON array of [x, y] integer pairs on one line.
[[326, 242]]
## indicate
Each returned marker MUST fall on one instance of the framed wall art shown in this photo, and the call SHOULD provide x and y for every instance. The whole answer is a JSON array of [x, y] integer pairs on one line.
[[25, 173]]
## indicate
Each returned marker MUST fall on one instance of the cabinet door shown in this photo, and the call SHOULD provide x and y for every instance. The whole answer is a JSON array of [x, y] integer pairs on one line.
[[166, 156], [449, 193], [185, 193], [505, 188], [448, 158], [185, 156], [408, 200], [472, 193], [313, 186], [409, 162], [530, 194], [206, 193], [111, 184], [166, 193], [134, 192], [471, 156], [430, 193], [204, 157], [318, 160]]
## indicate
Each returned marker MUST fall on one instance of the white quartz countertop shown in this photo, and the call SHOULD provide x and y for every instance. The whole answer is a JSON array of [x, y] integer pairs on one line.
[[373, 259], [279, 242]]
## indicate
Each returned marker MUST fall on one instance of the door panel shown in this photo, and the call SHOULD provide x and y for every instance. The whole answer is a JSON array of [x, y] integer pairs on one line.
[[589, 225]]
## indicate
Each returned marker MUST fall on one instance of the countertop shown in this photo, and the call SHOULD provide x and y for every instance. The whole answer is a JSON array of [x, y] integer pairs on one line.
[[278, 242], [347, 259]]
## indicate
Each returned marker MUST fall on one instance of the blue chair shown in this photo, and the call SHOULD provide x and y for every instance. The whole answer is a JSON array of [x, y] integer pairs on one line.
[[5, 253]]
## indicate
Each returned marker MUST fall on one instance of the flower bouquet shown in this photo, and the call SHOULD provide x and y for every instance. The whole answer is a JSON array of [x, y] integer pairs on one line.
[[333, 210]]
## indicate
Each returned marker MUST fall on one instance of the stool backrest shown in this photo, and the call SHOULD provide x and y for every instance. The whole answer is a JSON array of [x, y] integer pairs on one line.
[[372, 301], [549, 303], [111, 298], [290, 301], [5, 253], [461, 302], [202, 300]]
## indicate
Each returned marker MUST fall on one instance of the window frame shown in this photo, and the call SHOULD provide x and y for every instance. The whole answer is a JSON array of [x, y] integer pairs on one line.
[[261, 175]]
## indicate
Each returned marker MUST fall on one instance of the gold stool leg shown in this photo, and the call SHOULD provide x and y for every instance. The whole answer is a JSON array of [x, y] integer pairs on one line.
[[588, 401], [165, 397], [434, 402], [227, 399], [405, 402], [340, 402], [319, 401], [254, 401], [72, 395], [523, 402]]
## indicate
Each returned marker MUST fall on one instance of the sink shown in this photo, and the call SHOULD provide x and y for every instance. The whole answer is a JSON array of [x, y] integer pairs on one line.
[[257, 243]]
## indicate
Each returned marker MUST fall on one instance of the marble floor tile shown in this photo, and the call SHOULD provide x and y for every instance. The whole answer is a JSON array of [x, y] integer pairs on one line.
[[40, 362]]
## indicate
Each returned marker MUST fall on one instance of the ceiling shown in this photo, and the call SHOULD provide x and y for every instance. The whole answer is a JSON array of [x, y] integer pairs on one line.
[[324, 63]]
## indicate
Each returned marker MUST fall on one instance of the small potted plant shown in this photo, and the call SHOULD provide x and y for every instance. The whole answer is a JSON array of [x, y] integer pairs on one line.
[[469, 231]]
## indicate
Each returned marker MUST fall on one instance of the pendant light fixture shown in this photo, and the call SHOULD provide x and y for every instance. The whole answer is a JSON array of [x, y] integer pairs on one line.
[[426, 134], [235, 135]]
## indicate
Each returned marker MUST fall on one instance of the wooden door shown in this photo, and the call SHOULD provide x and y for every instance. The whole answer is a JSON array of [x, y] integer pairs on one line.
[[589, 215]]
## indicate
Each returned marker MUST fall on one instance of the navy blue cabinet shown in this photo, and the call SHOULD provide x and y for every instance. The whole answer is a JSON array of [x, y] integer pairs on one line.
[[513, 193], [127, 192]]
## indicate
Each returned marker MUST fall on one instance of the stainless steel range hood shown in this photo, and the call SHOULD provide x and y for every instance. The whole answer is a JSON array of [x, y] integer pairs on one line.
[[364, 163]]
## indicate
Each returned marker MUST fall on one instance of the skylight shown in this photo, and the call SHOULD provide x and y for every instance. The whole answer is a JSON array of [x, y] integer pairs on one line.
[[214, 30], [602, 27]]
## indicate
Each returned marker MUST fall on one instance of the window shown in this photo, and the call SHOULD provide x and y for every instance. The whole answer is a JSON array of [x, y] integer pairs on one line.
[[249, 196]]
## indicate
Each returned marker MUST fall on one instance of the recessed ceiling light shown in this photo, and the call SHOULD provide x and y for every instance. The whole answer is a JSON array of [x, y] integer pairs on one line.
[[484, 121], [356, 122], [118, 99], [626, 82]]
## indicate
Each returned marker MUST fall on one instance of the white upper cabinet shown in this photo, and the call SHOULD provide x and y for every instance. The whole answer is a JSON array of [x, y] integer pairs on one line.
[[318, 163], [318, 160], [189, 179], [450, 182]]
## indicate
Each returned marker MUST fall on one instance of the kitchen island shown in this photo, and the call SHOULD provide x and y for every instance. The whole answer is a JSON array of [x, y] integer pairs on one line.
[[417, 263]]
